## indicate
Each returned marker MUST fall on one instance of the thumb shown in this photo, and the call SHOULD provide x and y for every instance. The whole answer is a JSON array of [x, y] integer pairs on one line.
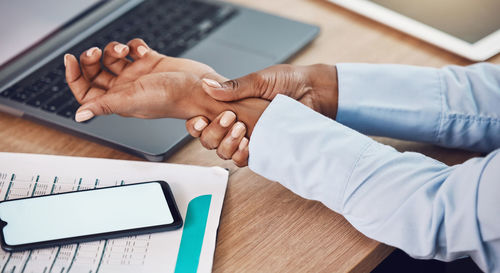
[[109, 103], [232, 90]]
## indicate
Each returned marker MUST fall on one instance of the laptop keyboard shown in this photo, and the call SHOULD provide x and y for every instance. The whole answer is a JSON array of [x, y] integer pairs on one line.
[[169, 26]]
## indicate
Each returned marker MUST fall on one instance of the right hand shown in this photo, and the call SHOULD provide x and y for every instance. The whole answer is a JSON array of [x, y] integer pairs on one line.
[[315, 86]]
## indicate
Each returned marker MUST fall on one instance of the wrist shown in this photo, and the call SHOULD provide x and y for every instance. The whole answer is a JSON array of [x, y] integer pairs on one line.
[[323, 79]]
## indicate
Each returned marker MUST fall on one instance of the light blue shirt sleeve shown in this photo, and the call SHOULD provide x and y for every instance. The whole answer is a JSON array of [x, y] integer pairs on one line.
[[407, 200], [453, 107]]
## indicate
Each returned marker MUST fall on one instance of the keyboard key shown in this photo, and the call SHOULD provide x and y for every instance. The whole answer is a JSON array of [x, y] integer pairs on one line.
[[50, 77], [39, 86], [70, 110], [6, 93], [41, 98], [21, 96], [57, 88], [60, 69], [175, 50], [205, 26], [9, 91], [57, 103]]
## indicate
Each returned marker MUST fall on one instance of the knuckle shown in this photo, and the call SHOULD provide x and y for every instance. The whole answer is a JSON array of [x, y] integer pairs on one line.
[[222, 154], [255, 76], [211, 137], [105, 108], [239, 162], [225, 150], [232, 84], [205, 144]]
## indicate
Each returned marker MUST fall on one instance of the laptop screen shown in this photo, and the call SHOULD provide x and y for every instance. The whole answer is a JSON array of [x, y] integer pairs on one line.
[[25, 23]]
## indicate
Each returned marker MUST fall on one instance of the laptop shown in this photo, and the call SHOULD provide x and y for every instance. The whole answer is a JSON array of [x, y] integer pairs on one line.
[[232, 39]]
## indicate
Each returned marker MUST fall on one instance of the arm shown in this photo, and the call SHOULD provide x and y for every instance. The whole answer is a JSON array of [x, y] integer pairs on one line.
[[407, 200], [453, 106]]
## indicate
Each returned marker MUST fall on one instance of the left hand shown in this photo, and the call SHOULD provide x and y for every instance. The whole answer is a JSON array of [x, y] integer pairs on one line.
[[151, 86]]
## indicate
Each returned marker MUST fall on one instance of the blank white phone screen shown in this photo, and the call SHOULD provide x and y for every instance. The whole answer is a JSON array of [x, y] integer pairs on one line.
[[84, 213]]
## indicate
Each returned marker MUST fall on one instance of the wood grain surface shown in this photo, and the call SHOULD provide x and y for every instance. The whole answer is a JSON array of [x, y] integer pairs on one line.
[[264, 227]]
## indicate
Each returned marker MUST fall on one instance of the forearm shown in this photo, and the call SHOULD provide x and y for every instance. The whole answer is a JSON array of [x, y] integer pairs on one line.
[[403, 199], [453, 106]]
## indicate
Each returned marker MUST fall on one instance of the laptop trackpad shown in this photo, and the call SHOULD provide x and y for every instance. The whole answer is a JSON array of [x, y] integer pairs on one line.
[[228, 60]]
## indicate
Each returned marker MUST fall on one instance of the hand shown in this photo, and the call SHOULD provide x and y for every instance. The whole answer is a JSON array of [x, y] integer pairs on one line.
[[315, 86], [151, 86], [224, 133]]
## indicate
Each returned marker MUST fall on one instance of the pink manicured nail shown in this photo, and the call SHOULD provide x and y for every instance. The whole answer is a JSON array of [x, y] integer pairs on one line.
[[227, 118], [142, 50], [212, 83], [119, 48], [243, 144], [83, 115], [65, 59], [91, 51], [200, 124], [238, 130]]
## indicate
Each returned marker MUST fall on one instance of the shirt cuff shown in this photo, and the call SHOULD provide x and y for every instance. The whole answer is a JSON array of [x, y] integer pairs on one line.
[[398, 101], [305, 151]]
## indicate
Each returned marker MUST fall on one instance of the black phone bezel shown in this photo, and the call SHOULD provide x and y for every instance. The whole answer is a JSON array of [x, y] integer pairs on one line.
[[167, 193]]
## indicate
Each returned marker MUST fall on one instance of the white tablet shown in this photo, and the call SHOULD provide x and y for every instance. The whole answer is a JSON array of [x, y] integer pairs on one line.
[[470, 28]]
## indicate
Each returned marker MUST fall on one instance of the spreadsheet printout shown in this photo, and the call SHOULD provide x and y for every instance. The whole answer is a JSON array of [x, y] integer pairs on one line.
[[24, 175]]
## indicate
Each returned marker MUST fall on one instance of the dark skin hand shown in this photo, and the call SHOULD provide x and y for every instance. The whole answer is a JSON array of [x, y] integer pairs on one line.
[[315, 86], [152, 86]]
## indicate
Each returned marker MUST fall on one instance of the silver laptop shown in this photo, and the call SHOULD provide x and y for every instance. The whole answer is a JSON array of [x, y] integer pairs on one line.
[[35, 35]]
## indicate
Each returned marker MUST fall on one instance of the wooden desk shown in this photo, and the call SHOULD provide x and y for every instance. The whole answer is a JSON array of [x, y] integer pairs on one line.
[[264, 227]]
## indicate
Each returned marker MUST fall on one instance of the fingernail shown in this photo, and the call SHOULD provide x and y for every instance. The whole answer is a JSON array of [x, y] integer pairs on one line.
[[238, 130], [200, 124], [142, 50], [243, 144], [212, 83], [65, 59], [227, 118], [90, 52], [119, 48], [83, 115]]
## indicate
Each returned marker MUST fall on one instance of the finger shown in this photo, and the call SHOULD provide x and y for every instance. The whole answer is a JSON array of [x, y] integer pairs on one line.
[[115, 57], [80, 87], [115, 101], [92, 69], [240, 157], [145, 65], [90, 62], [137, 48], [213, 134], [196, 125], [229, 144], [232, 90]]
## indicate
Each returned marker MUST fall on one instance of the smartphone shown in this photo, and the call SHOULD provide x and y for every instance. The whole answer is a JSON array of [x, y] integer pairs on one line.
[[87, 215]]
